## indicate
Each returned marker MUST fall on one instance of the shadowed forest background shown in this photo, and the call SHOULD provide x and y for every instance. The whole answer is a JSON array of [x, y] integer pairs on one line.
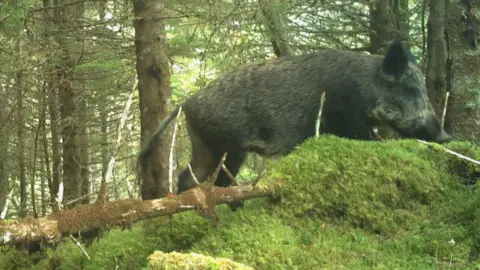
[[83, 84]]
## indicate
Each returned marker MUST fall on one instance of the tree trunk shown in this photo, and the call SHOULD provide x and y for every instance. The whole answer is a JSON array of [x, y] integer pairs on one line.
[[436, 55], [380, 25], [83, 112], [52, 168], [463, 72], [22, 175], [4, 142], [84, 157], [54, 187], [43, 190], [71, 169], [154, 90], [401, 26], [275, 27]]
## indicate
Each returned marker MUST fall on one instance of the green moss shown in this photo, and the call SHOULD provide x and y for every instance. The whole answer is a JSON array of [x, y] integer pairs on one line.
[[344, 204], [178, 261], [378, 186], [468, 172], [11, 258]]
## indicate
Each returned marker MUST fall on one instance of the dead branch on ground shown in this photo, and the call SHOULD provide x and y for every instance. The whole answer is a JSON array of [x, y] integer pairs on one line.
[[90, 217]]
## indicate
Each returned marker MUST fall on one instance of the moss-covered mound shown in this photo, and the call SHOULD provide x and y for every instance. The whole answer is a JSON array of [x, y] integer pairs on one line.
[[378, 186], [346, 205], [178, 261]]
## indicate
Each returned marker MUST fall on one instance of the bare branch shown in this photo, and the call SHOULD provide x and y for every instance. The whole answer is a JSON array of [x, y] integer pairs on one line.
[[230, 175], [193, 175], [454, 153], [105, 181], [319, 117], [170, 160], [79, 245], [447, 94], [214, 176]]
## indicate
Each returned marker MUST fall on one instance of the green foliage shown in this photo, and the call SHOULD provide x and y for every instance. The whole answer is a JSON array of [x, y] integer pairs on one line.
[[11, 258], [117, 248]]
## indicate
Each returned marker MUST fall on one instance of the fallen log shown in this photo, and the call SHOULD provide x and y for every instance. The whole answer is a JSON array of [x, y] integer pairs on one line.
[[86, 218]]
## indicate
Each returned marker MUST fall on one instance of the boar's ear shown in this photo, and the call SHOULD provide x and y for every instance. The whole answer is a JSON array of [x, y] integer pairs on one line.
[[395, 62]]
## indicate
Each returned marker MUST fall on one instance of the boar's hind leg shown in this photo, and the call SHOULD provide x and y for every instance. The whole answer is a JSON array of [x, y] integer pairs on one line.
[[233, 162], [203, 163]]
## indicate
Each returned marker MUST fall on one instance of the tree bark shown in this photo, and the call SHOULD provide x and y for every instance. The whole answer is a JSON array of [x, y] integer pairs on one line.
[[89, 217], [4, 142], [22, 175], [436, 55], [463, 72], [154, 90], [84, 157], [380, 25], [52, 168], [54, 185], [63, 14], [275, 28]]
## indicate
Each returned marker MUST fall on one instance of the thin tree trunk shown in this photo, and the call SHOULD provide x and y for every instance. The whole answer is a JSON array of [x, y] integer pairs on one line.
[[56, 154], [154, 89], [436, 55], [4, 139], [34, 167], [104, 147], [46, 172], [103, 108], [53, 170], [84, 157], [43, 190], [463, 72], [22, 175]]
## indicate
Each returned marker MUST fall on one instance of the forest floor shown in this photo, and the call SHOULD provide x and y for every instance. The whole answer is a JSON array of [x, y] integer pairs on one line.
[[347, 205]]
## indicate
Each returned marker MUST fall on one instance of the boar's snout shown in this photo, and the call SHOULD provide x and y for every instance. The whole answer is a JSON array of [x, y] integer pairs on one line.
[[432, 130]]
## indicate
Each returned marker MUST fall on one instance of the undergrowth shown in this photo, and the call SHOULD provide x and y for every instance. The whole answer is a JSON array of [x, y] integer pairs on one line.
[[346, 205]]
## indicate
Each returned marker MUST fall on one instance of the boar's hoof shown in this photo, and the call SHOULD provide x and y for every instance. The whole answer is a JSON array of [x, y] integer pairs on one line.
[[443, 137], [234, 206]]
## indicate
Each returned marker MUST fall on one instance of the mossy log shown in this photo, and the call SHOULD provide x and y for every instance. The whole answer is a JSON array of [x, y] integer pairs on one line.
[[87, 218]]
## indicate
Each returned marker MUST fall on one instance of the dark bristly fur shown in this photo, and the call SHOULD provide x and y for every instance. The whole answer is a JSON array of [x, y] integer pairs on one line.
[[270, 107]]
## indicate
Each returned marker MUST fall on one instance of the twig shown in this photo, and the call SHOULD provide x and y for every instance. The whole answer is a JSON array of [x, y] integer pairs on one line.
[[77, 243], [319, 117], [170, 159], [260, 175], [454, 153], [217, 170], [230, 175], [445, 108], [193, 175]]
